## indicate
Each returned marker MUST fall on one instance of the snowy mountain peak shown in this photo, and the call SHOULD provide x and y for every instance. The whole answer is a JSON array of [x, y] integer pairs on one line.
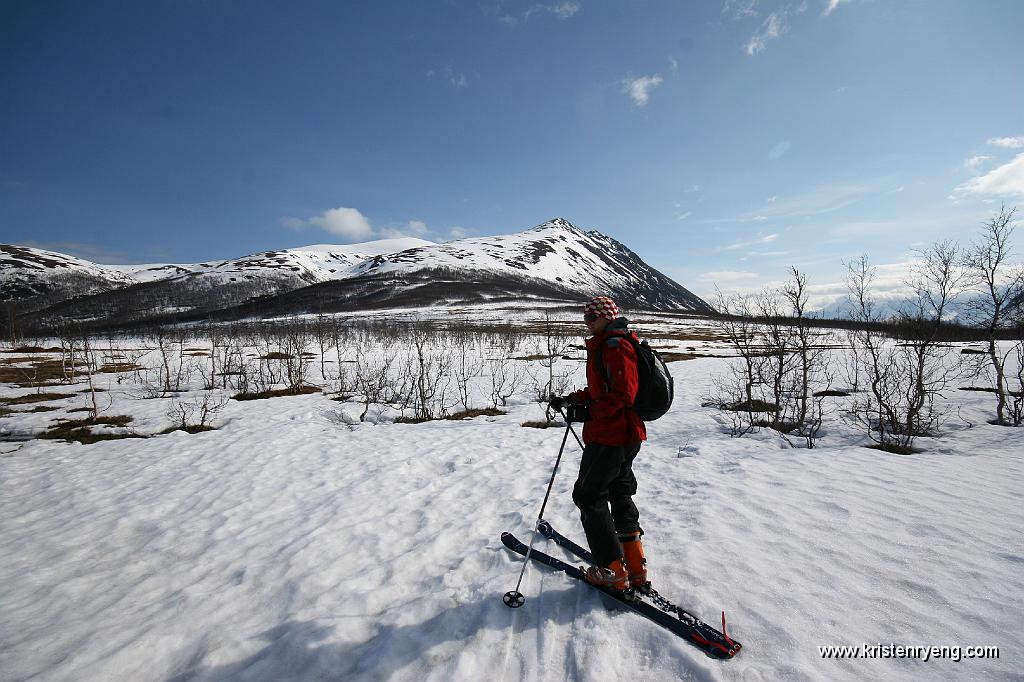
[[554, 261], [557, 224]]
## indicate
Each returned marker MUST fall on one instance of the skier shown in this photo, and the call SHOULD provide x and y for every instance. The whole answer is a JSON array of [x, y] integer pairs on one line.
[[612, 435]]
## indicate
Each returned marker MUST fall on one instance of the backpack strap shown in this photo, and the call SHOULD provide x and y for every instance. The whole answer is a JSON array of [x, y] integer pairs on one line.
[[613, 337]]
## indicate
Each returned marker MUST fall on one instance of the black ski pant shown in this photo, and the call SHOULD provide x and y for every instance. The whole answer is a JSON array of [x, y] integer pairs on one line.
[[604, 494]]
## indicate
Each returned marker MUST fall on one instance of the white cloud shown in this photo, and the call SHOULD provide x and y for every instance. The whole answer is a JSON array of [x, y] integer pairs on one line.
[[1008, 142], [684, 216], [414, 228], [740, 9], [560, 10], [818, 200], [773, 27], [779, 150], [975, 161], [728, 277], [760, 239], [772, 199], [457, 233], [564, 10], [640, 88], [832, 4], [1007, 180], [346, 222], [457, 80], [673, 64]]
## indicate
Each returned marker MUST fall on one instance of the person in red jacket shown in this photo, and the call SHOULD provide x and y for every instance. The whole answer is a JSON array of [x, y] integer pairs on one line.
[[612, 435]]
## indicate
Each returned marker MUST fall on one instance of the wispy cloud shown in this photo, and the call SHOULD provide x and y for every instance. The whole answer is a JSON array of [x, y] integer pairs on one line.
[[449, 75], [773, 27], [740, 9], [1008, 142], [728, 277], [341, 221], [912, 226], [889, 284], [779, 150], [816, 201], [757, 241], [414, 228], [975, 162], [831, 6], [559, 10], [1006, 180], [640, 88], [673, 65]]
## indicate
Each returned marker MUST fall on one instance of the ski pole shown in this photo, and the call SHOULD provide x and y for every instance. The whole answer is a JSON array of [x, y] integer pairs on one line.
[[582, 446], [514, 599]]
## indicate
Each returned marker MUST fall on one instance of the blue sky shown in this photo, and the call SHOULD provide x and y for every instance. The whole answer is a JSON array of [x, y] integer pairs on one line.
[[721, 141]]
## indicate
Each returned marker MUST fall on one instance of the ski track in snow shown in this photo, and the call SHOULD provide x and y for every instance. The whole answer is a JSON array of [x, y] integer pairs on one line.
[[287, 546]]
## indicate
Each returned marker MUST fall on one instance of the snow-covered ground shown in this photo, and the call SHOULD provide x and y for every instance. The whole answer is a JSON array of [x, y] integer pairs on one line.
[[294, 544]]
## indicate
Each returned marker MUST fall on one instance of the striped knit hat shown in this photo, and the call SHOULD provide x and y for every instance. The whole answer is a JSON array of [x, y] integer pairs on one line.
[[602, 306]]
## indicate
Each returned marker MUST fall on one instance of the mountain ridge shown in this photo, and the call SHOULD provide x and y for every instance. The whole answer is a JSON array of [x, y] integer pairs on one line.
[[554, 261]]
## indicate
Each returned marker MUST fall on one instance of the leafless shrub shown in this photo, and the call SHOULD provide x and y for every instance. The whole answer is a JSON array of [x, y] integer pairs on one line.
[[507, 377], [373, 374], [999, 288], [736, 323], [907, 374], [467, 365], [196, 414]]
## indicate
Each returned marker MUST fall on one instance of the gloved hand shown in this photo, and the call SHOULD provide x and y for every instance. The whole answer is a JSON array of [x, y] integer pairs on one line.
[[557, 402], [577, 413]]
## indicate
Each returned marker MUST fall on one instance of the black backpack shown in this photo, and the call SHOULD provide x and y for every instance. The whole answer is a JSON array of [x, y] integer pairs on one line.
[[654, 396]]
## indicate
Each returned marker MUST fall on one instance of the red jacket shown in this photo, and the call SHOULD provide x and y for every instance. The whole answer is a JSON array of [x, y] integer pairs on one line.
[[610, 393]]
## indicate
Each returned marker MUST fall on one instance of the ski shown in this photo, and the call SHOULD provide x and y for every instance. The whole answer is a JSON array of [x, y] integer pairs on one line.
[[650, 594], [550, 533], [678, 621]]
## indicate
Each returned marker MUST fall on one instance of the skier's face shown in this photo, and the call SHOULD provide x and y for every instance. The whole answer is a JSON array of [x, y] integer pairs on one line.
[[595, 323]]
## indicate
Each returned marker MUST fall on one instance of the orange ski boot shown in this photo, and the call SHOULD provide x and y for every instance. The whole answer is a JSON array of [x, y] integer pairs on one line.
[[614, 575], [636, 564]]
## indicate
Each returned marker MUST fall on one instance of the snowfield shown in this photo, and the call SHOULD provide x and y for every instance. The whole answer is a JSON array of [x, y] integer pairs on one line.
[[294, 543]]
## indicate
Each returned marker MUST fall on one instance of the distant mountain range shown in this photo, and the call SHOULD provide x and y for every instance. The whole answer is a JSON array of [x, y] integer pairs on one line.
[[555, 261]]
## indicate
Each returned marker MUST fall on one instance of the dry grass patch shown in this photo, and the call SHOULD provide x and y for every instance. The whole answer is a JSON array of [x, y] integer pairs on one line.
[[277, 356], [35, 398], [468, 414], [751, 406], [80, 430], [33, 349], [280, 393], [39, 373], [118, 368], [542, 424], [831, 394], [457, 416], [192, 428]]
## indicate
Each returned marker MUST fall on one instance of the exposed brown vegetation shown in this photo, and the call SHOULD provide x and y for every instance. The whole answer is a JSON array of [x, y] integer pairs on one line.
[[280, 393], [35, 398]]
